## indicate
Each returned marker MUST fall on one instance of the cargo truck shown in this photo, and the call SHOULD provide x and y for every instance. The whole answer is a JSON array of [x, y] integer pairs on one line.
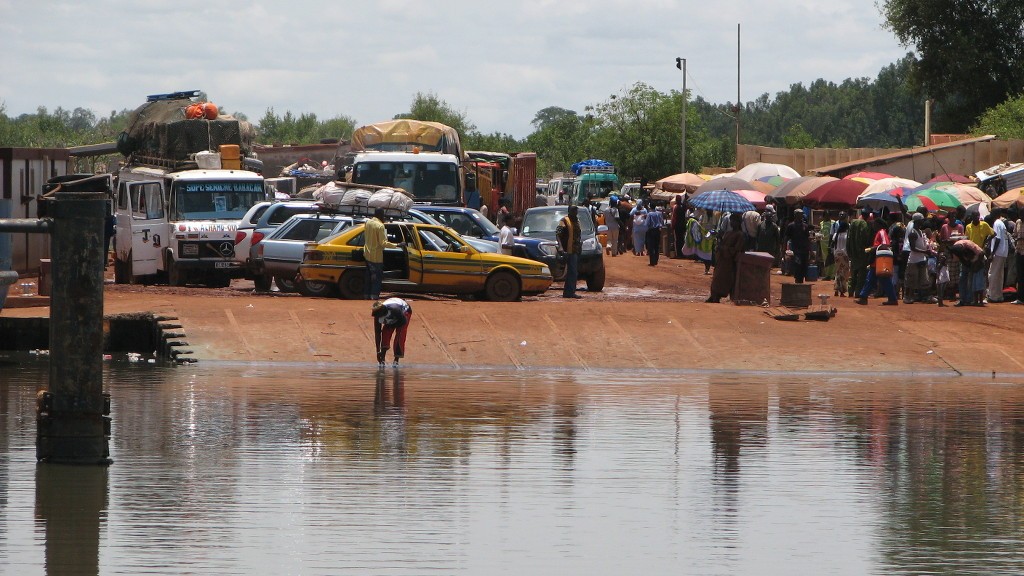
[[423, 158], [508, 177]]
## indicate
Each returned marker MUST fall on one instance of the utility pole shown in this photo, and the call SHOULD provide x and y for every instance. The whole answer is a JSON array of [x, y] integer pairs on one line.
[[681, 64], [738, 105]]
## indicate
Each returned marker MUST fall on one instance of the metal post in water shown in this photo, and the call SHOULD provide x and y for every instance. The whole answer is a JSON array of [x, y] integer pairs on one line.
[[72, 426]]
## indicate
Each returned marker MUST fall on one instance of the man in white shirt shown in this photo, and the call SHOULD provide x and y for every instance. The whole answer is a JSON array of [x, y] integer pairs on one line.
[[506, 237], [1000, 249]]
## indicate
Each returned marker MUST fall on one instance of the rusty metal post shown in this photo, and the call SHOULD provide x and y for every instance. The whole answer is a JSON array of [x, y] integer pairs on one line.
[[72, 426]]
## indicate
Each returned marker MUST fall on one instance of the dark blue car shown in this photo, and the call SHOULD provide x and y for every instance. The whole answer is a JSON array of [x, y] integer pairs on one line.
[[471, 223]]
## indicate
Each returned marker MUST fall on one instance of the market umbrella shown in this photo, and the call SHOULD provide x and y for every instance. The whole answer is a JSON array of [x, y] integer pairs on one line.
[[867, 176], [835, 194], [886, 184], [969, 194], [722, 201], [943, 199], [754, 196], [890, 199], [684, 182], [916, 201], [724, 183], [1010, 199], [757, 170], [797, 188], [763, 187], [953, 177], [775, 181]]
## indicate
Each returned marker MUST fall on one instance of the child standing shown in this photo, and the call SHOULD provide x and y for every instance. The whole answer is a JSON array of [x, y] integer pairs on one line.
[[941, 276]]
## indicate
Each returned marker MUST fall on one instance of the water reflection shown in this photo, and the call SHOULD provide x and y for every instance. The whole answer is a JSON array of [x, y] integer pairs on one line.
[[70, 504], [241, 469]]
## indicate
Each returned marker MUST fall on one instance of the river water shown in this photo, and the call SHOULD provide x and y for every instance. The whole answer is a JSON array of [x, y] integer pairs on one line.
[[299, 469]]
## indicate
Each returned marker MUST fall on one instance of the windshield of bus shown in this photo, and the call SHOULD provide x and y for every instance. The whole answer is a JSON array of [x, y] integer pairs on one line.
[[215, 199], [433, 182]]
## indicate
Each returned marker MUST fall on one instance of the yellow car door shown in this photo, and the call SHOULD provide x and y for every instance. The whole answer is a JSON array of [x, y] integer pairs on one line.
[[411, 254], [449, 264]]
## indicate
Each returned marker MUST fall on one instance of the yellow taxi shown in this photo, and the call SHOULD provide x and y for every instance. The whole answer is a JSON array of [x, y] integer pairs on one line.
[[432, 259]]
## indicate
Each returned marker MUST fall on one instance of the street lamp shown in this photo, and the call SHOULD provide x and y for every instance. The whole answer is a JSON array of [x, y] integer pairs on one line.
[[681, 64]]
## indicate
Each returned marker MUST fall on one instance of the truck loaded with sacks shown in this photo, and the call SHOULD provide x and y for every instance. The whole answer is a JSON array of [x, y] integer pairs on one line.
[[188, 178], [422, 158]]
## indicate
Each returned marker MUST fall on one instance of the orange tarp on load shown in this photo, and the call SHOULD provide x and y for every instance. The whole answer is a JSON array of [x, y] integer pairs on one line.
[[404, 135]]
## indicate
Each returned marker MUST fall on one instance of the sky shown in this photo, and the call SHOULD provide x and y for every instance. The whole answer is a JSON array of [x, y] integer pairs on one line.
[[498, 63]]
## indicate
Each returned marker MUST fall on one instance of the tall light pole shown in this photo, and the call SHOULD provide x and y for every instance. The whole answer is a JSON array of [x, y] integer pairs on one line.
[[681, 64]]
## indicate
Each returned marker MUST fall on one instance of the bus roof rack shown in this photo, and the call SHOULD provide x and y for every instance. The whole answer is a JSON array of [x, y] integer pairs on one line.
[[173, 95]]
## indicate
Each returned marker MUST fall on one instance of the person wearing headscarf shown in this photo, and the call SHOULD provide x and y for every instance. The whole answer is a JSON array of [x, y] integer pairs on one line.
[[639, 229], [679, 225], [730, 247], [840, 255], [768, 233], [699, 242]]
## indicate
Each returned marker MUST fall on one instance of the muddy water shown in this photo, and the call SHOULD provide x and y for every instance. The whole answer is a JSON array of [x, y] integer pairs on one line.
[[231, 469]]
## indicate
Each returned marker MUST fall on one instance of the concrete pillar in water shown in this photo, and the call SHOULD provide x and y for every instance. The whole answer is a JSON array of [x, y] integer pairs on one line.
[[71, 423]]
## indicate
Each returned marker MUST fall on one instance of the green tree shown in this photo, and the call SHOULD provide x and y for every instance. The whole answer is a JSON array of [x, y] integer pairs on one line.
[[560, 142], [494, 142], [970, 53], [797, 137], [302, 129], [429, 108], [550, 115], [1005, 120]]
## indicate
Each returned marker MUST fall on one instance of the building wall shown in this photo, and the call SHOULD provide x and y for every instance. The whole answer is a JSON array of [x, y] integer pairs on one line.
[[920, 164], [23, 171]]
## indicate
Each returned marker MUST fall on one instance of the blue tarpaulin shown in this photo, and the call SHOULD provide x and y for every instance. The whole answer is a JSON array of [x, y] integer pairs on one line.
[[577, 168]]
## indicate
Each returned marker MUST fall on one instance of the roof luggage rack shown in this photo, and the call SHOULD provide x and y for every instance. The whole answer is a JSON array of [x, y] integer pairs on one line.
[[173, 96]]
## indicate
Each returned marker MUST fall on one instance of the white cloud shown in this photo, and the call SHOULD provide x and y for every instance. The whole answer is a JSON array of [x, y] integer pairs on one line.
[[499, 62]]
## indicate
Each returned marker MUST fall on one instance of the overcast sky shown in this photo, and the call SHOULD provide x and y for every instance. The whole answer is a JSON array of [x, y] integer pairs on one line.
[[499, 63]]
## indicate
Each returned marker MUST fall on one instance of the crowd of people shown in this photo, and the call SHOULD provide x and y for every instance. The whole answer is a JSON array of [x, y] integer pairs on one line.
[[920, 257]]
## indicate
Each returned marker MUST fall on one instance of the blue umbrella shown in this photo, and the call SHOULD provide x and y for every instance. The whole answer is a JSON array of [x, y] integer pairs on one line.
[[721, 201]]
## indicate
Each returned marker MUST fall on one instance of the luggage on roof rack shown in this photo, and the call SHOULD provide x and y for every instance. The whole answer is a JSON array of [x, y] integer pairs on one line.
[[363, 199]]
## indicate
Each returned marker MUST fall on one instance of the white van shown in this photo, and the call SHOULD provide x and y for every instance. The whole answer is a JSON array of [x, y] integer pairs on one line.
[[181, 224]]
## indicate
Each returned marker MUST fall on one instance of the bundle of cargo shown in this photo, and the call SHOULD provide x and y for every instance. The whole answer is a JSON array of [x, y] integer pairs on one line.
[[407, 136], [174, 127], [363, 199]]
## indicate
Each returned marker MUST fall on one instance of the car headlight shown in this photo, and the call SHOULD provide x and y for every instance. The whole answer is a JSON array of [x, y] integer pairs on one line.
[[590, 244], [548, 248], [545, 270]]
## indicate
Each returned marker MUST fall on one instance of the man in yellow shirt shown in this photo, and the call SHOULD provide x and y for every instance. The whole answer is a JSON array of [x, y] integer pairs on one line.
[[978, 231], [373, 251]]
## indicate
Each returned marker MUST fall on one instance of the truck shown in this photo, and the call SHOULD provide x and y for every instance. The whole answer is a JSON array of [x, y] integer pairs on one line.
[[185, 184], [509, 177], [1000, 178], [423, 158]]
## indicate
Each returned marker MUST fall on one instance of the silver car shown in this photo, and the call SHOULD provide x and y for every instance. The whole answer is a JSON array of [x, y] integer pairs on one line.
[[278, 255]]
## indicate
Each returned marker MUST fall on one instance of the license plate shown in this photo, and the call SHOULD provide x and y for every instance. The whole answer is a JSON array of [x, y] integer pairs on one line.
[[222, 264]]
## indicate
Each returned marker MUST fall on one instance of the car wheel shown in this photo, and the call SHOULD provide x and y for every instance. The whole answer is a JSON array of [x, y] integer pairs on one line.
[[175, 276], [315, 288], [595, 282], [121, 271], [352, 284], [502, 286], [285, 285], [262, 282]]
